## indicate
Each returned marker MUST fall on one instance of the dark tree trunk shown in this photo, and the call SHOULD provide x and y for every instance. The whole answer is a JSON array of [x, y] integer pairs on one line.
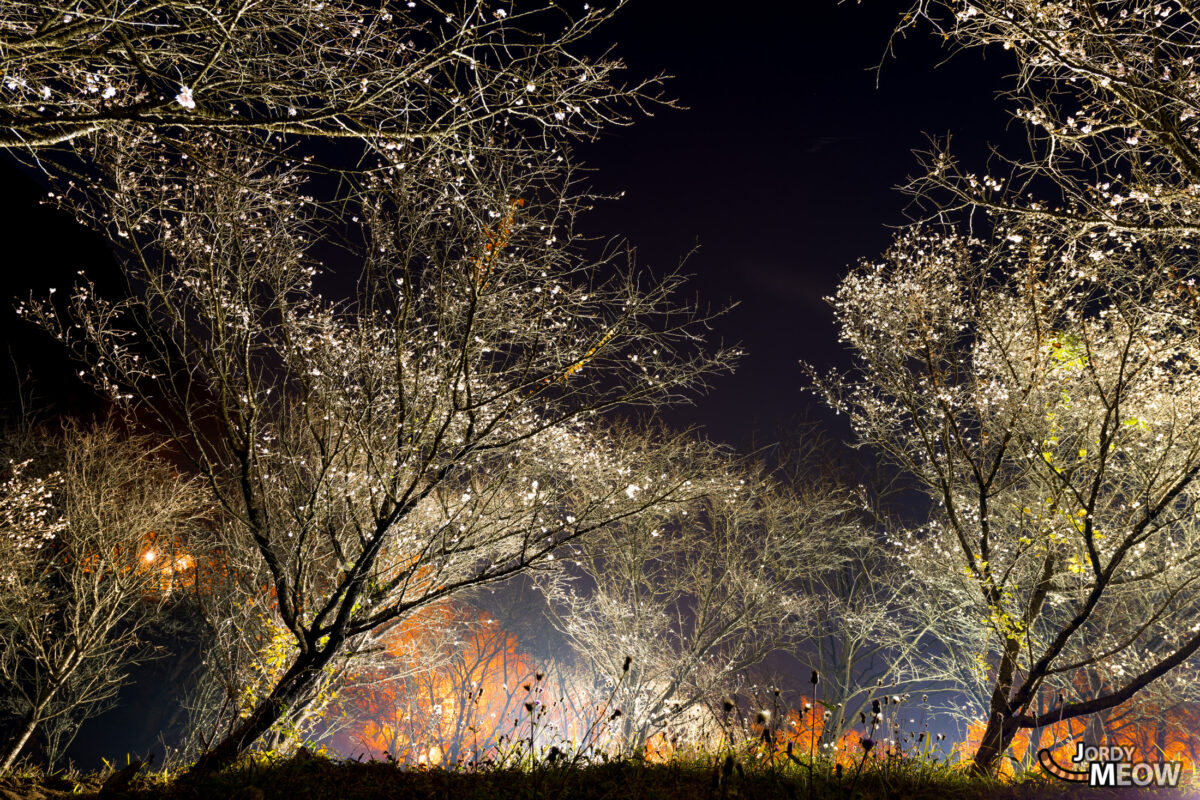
[[290, 693], [16, 742], [997, 736], [1095, 732], [19, 739]]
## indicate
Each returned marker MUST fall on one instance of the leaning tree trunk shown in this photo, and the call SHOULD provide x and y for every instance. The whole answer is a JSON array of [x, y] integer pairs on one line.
[[997, 736], [16, 743], [55, 681], [838, 687], [1001, 727], [289, 694]]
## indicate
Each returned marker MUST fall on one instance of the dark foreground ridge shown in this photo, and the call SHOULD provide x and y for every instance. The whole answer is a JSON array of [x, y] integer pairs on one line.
[[306, 777]]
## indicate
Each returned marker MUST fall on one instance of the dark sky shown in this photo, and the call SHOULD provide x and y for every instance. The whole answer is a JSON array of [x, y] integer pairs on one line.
[[781, 169]]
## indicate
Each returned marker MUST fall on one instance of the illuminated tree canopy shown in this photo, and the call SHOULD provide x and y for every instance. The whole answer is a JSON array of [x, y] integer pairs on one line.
[[1052, 420]]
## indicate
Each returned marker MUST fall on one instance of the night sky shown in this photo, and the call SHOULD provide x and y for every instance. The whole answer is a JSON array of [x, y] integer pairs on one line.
[[781, 169]]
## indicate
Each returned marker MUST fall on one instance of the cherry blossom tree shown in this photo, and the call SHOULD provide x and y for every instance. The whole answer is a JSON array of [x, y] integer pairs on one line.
[[91, 550], [1109, 95], [427, 415], [388, 75], [1052, 419], [697, 594], [876, 631], [434, 425]]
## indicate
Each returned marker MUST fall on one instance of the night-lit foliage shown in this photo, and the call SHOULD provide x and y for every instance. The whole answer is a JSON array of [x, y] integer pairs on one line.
[[90, 527], [360, 322], [1051, 417]]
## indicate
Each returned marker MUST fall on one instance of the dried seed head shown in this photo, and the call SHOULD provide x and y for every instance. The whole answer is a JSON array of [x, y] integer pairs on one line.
[[815, 678]]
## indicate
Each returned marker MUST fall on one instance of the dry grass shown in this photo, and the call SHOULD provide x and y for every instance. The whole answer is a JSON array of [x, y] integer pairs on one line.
[[307, 777]]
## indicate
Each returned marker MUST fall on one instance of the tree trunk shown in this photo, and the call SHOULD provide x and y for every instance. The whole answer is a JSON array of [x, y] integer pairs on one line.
[[1160, 736], [997, 736], [1095, 732], [1036, 737], [17, 743], [290, 693], [841, 716], [1001, 727]]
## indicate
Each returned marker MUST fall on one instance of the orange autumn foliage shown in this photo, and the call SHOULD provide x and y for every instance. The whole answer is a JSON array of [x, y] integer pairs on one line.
[[444, 713], [1155, 734], [803, 729], [480, 697]]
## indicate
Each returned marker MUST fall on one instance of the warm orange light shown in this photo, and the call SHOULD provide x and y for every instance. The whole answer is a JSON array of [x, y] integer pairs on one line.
[[150, 555], [455, 711], [803, 730], [1154, 733]]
